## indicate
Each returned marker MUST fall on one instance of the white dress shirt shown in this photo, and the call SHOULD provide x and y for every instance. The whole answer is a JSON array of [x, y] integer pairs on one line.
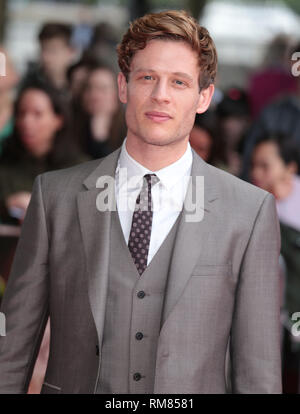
[[167, 195]]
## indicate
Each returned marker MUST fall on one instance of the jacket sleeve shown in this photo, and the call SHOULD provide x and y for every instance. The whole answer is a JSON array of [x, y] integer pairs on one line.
[[25, 301], [255, 334]]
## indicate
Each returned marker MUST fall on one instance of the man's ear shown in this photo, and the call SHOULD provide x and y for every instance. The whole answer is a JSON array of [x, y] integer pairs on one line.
[[205, 98], [122, 88]]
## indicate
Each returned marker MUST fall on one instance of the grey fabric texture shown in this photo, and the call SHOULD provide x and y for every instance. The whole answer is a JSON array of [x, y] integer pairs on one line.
[[222, 287]]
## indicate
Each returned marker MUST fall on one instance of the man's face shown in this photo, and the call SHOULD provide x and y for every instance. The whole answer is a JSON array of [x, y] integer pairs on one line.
[[162, 93]]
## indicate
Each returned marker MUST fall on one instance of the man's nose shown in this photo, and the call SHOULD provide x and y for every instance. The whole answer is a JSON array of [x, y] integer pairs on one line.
[[160, 92]]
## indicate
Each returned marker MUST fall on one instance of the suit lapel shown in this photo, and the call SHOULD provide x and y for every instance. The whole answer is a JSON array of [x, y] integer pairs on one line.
[[191, 237], [95, 230]]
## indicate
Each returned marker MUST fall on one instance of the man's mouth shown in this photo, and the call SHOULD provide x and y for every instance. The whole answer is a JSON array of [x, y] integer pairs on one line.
[[158, 116]]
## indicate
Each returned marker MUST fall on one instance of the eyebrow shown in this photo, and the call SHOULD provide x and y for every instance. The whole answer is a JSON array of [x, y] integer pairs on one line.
[[181, 74]]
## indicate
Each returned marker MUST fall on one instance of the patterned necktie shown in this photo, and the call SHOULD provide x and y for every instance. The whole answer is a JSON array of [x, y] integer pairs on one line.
[[140, 233]]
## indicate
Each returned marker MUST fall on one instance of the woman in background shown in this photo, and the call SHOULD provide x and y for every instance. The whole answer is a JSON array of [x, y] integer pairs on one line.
[[40, 142], [206, 141], [275, 168], [233, 116], [101, 125]]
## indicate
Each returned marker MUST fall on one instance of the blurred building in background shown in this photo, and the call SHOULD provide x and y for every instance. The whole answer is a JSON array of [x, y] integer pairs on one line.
[[242, 31]]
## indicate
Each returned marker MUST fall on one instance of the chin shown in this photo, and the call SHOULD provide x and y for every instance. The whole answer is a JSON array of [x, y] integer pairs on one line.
[[160, 139]]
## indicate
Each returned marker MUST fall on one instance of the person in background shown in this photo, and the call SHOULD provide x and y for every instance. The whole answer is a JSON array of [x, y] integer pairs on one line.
[[233, 122], [101, 124], [39, 143], [205, 140], [274, 168], [274, 78], [77, 74], [281, 116], [7, 85], [103, 44], [56, 55]]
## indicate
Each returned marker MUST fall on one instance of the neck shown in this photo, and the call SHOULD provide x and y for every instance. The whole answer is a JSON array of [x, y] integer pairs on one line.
[[155, 157], [285, 189], [100, 126], [40, 151]]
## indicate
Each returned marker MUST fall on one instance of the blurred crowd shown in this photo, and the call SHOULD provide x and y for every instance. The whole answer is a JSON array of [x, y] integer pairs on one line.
[[65, 110]]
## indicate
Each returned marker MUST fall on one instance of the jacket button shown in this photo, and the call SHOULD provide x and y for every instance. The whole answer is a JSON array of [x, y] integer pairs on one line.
[[137, 376], [141, 294], [139, 336]]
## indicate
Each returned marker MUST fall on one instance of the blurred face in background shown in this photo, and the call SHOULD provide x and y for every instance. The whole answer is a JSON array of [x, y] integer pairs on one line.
[[78, 80], [201, 142], [36, 121], [56, 56], [100, 93], [233, 128], [268, 168]]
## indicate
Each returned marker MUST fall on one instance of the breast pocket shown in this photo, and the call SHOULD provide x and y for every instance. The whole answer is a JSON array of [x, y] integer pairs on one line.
[[212, 270]]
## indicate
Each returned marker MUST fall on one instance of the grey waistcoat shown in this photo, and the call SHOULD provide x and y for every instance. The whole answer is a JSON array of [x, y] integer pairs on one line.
[[132, 322]]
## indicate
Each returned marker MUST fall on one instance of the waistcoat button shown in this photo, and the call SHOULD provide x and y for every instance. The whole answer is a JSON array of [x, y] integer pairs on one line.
[[141, 294], [137, 376], [139, 336]]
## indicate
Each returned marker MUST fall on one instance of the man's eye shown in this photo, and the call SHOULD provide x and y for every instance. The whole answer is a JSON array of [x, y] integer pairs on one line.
[[147, 77], [178, 82]]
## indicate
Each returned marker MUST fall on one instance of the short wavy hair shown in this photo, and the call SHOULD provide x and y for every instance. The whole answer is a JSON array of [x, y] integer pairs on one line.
[[170, 25]]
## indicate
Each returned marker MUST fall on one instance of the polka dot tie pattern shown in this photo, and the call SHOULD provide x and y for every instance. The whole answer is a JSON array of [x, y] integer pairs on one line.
[[140, 233]]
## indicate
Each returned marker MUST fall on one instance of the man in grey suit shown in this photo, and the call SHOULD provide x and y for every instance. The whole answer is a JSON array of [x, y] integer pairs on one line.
[[148, 299]]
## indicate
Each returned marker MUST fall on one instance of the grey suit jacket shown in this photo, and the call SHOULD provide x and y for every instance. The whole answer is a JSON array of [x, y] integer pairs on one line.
[[223, 288]]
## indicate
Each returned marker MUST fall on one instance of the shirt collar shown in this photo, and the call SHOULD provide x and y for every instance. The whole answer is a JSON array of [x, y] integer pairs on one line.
[[168, 176]]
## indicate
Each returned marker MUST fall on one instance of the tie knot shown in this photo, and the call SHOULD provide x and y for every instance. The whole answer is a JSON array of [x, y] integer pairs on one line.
[[151, 179]]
